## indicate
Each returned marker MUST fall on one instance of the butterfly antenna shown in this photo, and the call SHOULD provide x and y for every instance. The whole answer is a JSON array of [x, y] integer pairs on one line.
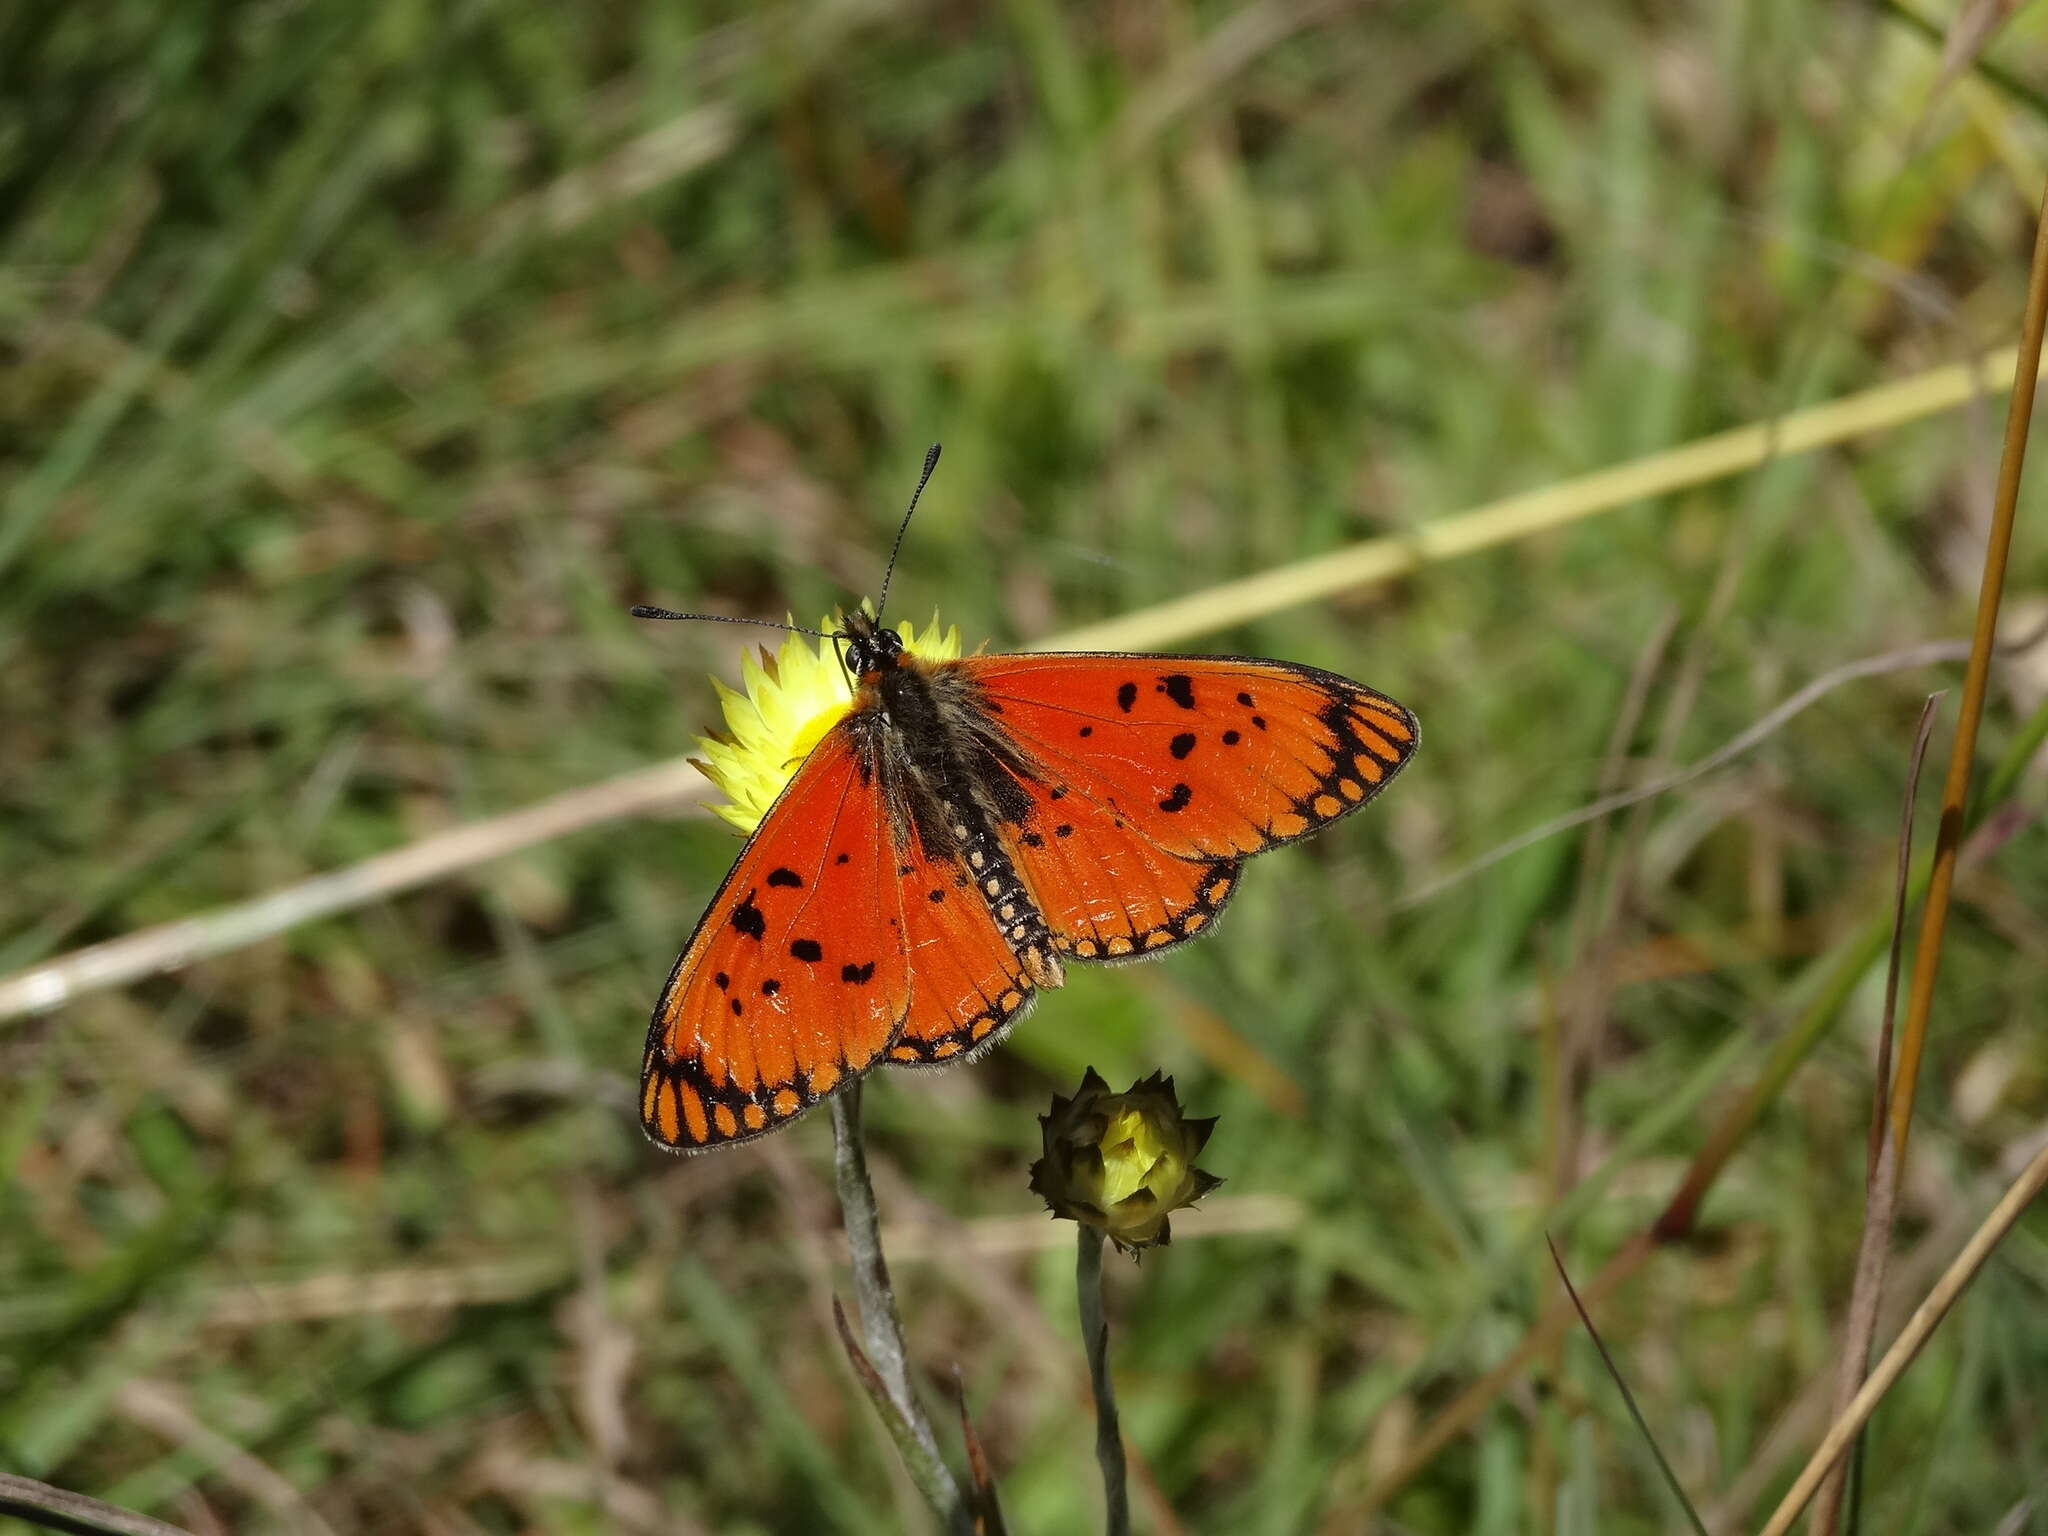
[[931, 462], [642, 612]]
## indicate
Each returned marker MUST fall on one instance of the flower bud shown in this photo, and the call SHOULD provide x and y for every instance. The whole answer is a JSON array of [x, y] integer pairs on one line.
[[1122, 1162]]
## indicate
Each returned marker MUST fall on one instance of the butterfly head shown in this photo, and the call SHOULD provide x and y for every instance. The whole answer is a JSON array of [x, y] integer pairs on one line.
[[871, 650]]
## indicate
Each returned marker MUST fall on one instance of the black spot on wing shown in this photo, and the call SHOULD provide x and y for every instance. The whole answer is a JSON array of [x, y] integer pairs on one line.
[[1231, 738], [1182, 745], [770, 987], [807, 950], [1126, 696], [857, 974], [788, 877], [748, 919], [1180, 688], [1178, 800]]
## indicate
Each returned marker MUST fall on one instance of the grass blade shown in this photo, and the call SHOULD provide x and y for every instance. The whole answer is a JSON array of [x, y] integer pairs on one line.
[[1642, 1425]]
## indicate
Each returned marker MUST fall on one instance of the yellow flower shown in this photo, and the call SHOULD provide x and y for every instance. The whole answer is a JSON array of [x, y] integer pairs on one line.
[[1123, 1162], [791, 698]]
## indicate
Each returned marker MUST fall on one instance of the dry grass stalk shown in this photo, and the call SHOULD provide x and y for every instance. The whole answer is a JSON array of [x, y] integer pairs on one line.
[[1919, 1328], [57, 1509], [173, 946], [1955, 792]]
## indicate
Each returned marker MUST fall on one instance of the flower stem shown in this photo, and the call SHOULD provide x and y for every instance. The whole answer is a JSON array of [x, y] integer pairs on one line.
[[1109, 1440], [884, 1367]]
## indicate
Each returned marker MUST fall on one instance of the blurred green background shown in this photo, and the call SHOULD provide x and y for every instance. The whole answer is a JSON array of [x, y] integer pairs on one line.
[[362, 362]]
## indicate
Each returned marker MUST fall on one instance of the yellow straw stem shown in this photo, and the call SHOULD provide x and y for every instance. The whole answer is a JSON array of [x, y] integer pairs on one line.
[[1955, 792], [1554, 506]]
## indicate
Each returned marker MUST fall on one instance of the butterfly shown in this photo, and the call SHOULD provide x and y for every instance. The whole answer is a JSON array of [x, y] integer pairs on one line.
[[967, 829]]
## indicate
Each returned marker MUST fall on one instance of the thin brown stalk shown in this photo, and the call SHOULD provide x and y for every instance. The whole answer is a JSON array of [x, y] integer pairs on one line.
[[1912, 1338], [1881, 1166], [1976, 680], [984, 1505], [58, 1509]]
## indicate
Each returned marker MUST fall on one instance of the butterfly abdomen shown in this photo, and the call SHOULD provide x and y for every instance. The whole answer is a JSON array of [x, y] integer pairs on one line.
[[1001, 888]]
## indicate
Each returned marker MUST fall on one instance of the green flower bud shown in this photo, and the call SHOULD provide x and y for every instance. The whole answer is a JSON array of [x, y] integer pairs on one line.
[[1122, 1162]]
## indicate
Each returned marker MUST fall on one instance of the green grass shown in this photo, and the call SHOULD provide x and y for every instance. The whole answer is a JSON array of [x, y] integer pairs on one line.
[[332, 448]]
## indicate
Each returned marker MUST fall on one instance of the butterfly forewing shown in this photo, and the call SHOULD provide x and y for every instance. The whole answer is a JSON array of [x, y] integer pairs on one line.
[[1204, 757], [798, 975]]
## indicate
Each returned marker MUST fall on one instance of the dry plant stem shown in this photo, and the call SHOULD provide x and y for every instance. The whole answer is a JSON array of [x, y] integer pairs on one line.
[[1955, 792], [1554, 506], [927, 1472], [172, 946], [1881, 1164], [879, 1324], [1109, 1440], [55, 1509], [1919, 1328], [987, 1508]]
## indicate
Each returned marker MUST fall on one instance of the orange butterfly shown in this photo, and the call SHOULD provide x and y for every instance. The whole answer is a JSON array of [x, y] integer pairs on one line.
[[966, 828]]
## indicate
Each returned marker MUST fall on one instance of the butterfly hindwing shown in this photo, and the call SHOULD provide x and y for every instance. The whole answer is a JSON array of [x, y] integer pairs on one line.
[[798, 975], [967, 985], [1107, 891], [1206, 758]]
